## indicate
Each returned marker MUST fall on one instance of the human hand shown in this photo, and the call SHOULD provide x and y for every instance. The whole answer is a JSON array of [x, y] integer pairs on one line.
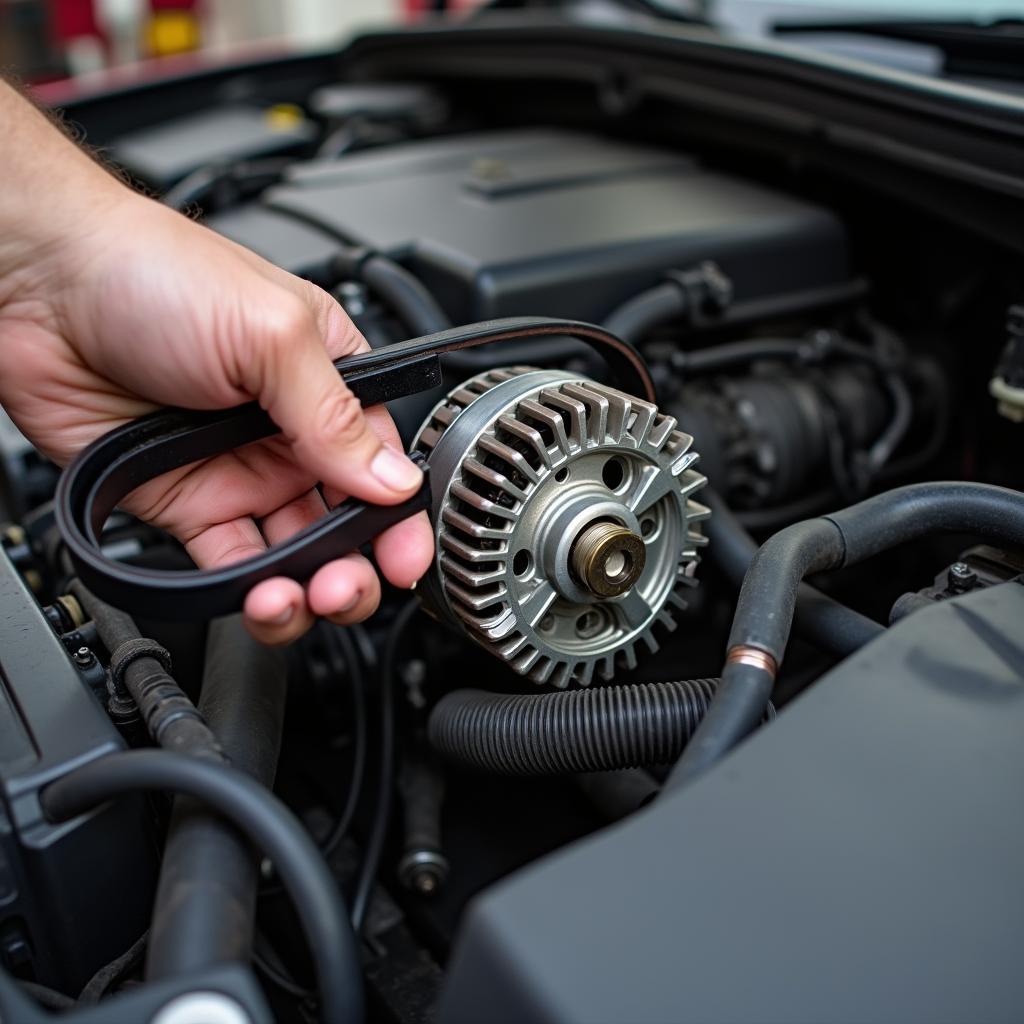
[[135, 306]]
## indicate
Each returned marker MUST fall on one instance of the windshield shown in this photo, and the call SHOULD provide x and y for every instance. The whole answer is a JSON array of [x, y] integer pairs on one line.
[[892, 33]]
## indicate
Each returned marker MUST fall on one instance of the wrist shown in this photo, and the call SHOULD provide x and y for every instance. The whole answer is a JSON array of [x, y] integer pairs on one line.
[[53, 201]]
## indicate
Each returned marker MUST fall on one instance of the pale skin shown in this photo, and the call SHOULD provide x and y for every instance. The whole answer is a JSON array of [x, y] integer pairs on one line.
[[112, 305]]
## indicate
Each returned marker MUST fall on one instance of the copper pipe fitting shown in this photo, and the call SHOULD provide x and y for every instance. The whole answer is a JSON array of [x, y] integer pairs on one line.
[[744, 654]]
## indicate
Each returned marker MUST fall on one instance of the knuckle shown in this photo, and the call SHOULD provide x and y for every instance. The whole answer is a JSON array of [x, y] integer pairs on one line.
[[340, 417], [287, 322]]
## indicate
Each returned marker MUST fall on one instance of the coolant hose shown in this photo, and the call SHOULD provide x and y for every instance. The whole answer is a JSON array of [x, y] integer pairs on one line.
[[404, 293], [409, 299], [764, 612], [205, 907], [635, 319], [264, 820], [823, 621], [603, 728]]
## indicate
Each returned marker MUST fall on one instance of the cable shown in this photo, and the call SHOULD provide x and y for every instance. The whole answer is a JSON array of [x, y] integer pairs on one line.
[[48, 998], [275, 972], [96, 987], [887, 442], [386, 779], [358, 688], [265, 821]]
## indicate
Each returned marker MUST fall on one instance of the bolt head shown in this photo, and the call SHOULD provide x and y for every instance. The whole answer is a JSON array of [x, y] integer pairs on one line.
[[961, 577], [608, 559]]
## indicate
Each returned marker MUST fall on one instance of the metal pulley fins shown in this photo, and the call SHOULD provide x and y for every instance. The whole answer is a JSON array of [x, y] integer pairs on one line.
[[566, 527]]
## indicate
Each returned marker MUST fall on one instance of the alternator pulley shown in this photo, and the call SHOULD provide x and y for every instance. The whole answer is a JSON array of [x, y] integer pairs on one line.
[[566, 527]]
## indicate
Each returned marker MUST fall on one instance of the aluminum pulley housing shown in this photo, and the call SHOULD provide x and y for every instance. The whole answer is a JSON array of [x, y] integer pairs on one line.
[[565, 521]]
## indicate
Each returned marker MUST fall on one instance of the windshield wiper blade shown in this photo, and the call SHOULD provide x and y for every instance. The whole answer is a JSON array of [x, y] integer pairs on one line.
[[994, 49]]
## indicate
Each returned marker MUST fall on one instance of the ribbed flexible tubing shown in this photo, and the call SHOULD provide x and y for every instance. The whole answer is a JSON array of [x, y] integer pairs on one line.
[[598, 729]]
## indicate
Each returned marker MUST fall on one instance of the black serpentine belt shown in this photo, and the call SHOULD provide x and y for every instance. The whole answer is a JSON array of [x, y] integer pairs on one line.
[[113, 466]]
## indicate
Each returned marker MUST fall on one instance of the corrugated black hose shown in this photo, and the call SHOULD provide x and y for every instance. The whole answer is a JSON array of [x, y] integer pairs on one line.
[[603, 728]]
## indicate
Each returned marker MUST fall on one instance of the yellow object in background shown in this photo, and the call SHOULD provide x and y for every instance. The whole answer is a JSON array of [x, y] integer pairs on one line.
[[282, 116], [172, 31]]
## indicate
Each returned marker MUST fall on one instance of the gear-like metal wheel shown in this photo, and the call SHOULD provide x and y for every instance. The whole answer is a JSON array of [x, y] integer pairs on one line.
[[566, 527]]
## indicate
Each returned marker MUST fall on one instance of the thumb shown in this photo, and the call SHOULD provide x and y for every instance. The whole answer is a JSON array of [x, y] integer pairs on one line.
[[296, 382]]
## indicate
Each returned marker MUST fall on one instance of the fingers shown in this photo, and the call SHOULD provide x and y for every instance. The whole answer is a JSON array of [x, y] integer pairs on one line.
[[225, 543], [404, 551], [275, 611], [297, 384], [279, 611], [344, 591]]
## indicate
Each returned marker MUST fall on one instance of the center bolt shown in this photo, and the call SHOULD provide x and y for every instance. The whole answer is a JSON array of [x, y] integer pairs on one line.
[[608, 559]]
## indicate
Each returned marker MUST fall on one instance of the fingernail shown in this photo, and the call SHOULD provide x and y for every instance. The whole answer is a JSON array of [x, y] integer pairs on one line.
[[350, 604], [394, 470], [282, 616]]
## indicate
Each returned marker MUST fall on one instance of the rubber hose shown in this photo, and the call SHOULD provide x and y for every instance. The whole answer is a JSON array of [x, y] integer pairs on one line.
[[171, 719], [405, 294], [764, 612], [617, 795], [205, 906], [600, 729], [260, 816], [821, 620], [421, 314], [635, 319], [744, 693], [739, 353]]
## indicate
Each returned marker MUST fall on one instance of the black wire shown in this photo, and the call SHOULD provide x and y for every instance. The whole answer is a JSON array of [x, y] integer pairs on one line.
[[265, 821], [275, 973], [386, 779], [48, 998], [357, 684], [365, 644], [108, 974]]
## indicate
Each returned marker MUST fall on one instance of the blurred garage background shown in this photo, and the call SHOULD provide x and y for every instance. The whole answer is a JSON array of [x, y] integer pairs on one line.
[[46, 40]]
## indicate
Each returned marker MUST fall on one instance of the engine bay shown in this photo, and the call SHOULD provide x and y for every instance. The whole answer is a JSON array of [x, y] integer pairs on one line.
[[497, 768]]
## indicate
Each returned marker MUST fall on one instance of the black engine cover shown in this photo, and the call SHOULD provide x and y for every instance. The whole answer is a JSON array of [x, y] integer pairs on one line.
[[544, 222], [858, 860]]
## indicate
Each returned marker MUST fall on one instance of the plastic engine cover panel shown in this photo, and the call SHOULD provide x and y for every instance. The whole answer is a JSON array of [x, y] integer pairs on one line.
[[859, 860], [550, 222]]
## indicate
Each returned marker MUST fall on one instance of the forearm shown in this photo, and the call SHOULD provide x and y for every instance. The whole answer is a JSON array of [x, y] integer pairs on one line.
[[51, 193]]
